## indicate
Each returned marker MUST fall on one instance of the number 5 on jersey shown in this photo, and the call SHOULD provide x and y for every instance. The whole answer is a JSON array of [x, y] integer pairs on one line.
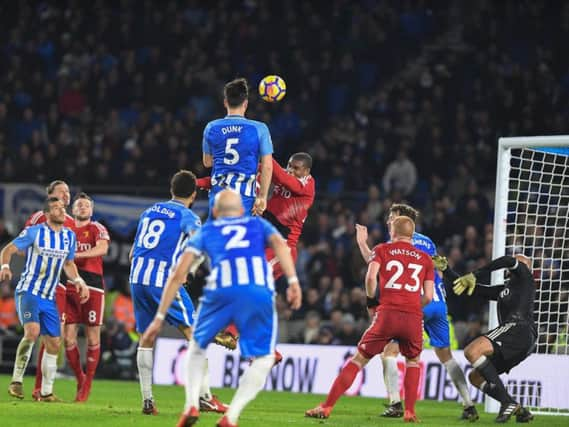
[[231, 154]]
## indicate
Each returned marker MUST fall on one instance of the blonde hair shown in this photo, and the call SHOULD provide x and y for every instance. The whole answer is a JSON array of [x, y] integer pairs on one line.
[[403, 226]]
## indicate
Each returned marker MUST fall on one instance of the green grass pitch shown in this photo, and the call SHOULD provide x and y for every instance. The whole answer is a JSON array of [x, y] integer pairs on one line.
[[117, 403]]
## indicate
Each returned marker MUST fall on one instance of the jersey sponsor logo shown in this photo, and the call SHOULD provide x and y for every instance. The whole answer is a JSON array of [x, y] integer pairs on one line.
[[505, 293], [53, 253], [82, 247]]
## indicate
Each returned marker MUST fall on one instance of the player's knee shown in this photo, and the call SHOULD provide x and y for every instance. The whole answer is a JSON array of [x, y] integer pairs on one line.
[[471, 353], [52, 345], [443, 354], [93, 336], [31, 331]]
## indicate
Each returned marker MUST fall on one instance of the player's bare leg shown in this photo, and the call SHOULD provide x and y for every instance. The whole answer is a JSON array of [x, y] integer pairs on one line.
[[72, 354], [49, 368], [93, 355], [391, 380], [459, 380], [23, 353], [342, 382], [478, 353]]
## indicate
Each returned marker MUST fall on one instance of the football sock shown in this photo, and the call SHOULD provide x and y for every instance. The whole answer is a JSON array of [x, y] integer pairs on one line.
[[39, 375], [459, 380], [23, 354], [342, 382], [232, 329], [494, 386], [195, 367], [250, 384], [74, 360], [411, 383], [49, 369], [93, 355], [205, 391], [144, 361], [391, 378]]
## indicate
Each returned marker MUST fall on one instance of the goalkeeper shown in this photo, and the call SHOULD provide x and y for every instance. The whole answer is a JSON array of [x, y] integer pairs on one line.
[[502, 348]]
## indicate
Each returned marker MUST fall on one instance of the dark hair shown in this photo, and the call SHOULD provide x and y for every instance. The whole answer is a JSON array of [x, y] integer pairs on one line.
[[48, 202], [236, 92], [404, 210], [85, 196], [51, 187], [183, 184], [305, 158]]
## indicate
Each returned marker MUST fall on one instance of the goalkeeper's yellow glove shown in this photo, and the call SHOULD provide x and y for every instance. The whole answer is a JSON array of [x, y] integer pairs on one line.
[[465, 283], [441, 262]]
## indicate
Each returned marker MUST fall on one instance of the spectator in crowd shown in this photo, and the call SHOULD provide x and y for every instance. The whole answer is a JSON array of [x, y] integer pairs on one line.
[[8, 316]]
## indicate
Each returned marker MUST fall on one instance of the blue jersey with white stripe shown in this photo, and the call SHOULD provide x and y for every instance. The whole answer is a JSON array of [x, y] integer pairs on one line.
[[424, 243], [236, 145], [236, 247], [160, 238], [46, 252]]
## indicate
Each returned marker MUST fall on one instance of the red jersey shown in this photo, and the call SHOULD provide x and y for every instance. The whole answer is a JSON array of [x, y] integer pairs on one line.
[[402, 272], [90, 269], [39, 218], [288, 206]]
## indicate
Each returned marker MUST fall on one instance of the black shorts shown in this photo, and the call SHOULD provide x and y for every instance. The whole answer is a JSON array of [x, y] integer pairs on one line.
[[512, 342]]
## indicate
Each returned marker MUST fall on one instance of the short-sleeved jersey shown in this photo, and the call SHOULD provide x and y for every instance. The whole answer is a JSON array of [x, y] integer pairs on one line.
[[288, 206], [424, 243], [46, 252], [39, 218], [236, 247], [402, 272], [160, 239], [91, 269], [236, 145]]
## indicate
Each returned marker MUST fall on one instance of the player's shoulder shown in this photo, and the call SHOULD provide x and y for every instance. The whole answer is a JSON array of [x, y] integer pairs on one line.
[[97, 226], [424, 243], [36, 218]]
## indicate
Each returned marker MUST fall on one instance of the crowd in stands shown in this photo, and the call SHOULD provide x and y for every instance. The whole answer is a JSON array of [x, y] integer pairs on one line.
[[95, 92]]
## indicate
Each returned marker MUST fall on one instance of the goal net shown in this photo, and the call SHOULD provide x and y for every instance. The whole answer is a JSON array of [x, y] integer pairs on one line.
[[532, 217]]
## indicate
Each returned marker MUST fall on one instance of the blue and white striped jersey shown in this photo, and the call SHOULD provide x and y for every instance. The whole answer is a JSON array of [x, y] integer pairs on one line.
[[46, 252], [424, 243], [160, 238], [236, 247], [236, 144]]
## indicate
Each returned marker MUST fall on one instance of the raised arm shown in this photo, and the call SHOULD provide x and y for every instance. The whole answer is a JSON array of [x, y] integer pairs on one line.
[[292, 183], [361, 239]]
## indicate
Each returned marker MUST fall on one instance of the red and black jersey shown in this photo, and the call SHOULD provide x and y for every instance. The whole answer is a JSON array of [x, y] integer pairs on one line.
[[402, 272], [288, 206], [90, 269], [39, 218]]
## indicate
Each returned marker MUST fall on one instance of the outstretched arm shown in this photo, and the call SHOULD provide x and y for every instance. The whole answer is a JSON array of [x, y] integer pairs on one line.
[[292, 183], [361, 239]]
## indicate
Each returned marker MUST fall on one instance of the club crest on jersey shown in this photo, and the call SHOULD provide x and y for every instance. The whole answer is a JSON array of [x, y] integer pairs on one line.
[[23, 233], [86, 234]]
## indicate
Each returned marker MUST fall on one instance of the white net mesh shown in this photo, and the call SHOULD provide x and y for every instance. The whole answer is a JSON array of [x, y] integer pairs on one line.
[[537, 224]]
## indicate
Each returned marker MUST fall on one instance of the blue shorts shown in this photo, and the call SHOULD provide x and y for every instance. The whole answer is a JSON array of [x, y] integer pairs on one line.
[[435, 323], [250, 307], [248, 203], [32, 308], [146, 300]]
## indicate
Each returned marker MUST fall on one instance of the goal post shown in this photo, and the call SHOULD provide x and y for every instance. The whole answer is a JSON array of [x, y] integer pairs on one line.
[[531, 216]]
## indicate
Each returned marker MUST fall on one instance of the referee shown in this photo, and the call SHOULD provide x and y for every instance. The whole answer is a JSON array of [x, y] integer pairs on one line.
[[502, 348]]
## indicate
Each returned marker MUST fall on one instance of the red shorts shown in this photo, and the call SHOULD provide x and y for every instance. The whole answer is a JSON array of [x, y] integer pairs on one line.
[[90, 313], [406, 328], [271, 257], [61, 301]]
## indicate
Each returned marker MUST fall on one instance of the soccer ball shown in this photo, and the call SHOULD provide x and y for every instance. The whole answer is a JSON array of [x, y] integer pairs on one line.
[[272, 88]]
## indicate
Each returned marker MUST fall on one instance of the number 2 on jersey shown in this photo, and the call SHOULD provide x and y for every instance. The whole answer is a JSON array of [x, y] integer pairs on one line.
[[399, 268], [150, 233], [231, 154], [236, 241]]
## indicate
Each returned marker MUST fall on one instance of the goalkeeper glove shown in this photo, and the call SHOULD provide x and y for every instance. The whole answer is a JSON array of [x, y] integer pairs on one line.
[[441, 262], [465, 283]]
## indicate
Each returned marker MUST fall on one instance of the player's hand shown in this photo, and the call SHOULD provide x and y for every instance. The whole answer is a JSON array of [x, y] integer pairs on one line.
[[441, 262], [153, 330], [465, 283], [5, 274], [83, 292], [361, 234], [294, 295], [259, 206]]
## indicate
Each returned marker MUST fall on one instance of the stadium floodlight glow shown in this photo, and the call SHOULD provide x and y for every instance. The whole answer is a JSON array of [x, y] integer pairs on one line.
[[531, 216]]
